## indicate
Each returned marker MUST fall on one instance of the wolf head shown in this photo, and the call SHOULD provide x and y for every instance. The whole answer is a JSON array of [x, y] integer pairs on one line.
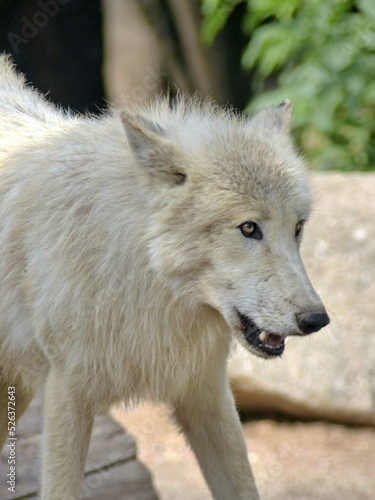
[[228, 199]]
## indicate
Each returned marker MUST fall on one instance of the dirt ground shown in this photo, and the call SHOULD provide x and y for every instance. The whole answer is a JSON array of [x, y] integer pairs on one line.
[[291, 460]]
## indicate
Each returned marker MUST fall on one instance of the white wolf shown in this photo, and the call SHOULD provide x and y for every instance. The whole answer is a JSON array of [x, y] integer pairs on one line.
[[133, 248]]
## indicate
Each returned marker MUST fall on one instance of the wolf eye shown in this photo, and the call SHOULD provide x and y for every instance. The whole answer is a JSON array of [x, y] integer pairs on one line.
[[298, 228], [251, 230]]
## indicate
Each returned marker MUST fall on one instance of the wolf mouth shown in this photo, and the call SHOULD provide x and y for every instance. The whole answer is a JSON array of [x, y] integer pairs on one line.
[[264, 342]]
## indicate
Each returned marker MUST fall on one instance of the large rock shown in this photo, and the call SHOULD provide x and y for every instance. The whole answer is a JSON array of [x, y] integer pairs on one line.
[[330, 374]]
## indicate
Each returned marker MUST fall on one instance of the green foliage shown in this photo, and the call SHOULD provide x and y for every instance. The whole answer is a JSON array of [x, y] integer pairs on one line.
[[321, 55]]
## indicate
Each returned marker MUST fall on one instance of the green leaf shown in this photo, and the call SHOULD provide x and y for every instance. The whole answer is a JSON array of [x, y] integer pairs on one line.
[[215, 14], [368, 7], [270, 48], [321, 55]]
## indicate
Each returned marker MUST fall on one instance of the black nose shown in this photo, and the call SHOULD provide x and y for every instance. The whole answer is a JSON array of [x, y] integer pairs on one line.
[[309, 322]]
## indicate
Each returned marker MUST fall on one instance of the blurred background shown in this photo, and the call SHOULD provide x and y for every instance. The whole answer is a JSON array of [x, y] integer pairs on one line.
[[248, 54], [309, 418]]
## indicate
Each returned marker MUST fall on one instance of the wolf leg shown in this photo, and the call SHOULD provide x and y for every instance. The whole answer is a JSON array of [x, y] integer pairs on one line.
[[68, 425], [211, 424]]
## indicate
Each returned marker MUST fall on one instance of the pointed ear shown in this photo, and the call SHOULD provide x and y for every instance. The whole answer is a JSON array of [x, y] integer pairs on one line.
[[152, 148], [144, 136], [277, 119]]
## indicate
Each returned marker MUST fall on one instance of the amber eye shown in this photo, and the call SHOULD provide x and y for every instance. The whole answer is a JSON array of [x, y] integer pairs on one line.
[[251, 230], [298, 228]]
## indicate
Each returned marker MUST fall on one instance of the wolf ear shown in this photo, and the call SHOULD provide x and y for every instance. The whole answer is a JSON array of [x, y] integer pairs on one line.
[[152, 148], [277, 118], [143, 135]]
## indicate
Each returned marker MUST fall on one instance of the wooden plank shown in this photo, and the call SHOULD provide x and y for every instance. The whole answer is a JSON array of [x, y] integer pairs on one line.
[[27, 468], [126, 481], [129, 481], [109, 445], [31, 421], [112, 471]]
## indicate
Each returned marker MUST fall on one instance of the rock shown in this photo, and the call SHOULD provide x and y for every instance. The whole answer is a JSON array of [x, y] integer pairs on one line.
[[331, 374], [290, 460]]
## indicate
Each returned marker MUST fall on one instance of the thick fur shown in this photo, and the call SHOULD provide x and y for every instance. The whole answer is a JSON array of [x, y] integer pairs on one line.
[[122, 267]]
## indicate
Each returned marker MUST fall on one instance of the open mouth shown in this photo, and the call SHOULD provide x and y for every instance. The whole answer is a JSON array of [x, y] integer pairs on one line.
[[266, 344]]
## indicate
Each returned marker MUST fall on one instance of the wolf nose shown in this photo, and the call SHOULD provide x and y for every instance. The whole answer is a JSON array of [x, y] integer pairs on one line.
[[309, 322]]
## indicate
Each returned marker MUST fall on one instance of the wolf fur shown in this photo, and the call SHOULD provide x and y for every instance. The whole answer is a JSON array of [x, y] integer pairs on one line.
[[125, 272]]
